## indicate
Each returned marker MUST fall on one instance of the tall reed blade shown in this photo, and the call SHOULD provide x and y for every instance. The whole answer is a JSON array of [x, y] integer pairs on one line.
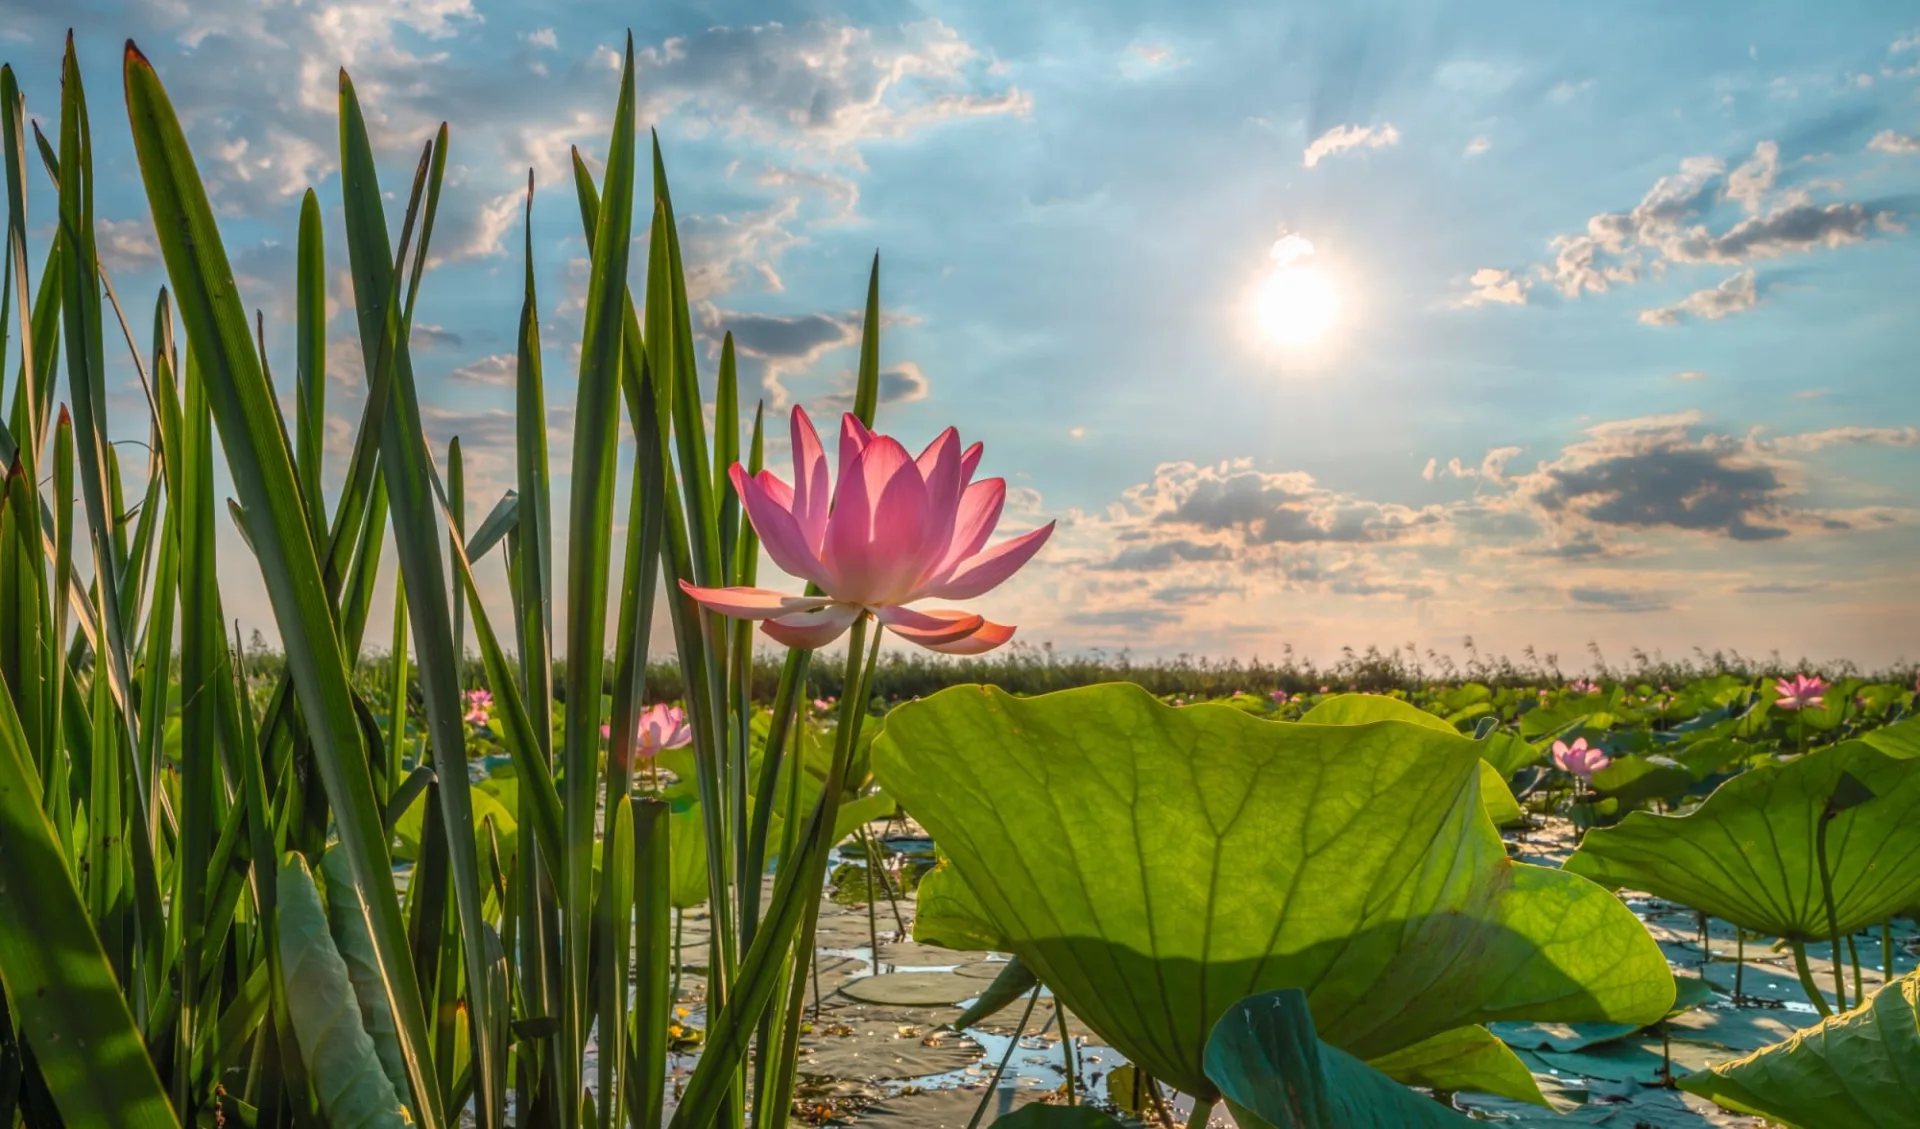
[[595, 457], [242, 405], [417, 537]]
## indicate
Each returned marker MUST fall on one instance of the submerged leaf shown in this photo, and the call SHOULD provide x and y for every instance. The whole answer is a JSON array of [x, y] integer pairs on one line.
[[1153, 865]]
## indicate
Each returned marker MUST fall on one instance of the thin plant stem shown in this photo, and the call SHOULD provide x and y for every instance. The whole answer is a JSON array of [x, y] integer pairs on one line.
[[1740, 968], [679, 923], [873, 918], [1813, 991], [1886, 953], [1013, 1043], [886, 881], [1853, 954], [1066, 1053]]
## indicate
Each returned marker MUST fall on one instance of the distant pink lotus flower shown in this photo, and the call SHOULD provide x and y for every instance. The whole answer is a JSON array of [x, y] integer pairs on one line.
[[1800, 692], [1580, 758], [661, 726], [1279, 697], [892, 530], [823, 705], [479, 706], [1582, 686]]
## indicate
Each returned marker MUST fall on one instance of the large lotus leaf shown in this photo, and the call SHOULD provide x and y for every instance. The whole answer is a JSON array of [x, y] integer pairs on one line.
[[1464, 1059], [1748, 854], [354, 1091], [1857, 1070], [1153, 865], [1898, 740], [948, 913], [1276, 1074], [506, 828], [1360, 709]]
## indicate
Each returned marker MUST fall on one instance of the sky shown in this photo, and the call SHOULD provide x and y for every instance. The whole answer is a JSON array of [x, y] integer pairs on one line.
[[1314, 326]]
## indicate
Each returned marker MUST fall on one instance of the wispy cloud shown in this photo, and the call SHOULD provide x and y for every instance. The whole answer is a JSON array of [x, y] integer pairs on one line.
[[1343, 138]]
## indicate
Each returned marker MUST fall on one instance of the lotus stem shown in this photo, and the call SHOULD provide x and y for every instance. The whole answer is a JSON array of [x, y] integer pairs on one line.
[[1739, 968], [1202, 1113], [873, 917], [1886, 953], [1833, 923], [1853, 954], [1013, 1043], [1819, 998], [1066, 1052]]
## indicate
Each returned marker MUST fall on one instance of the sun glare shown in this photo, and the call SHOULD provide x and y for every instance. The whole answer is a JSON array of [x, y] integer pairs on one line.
[[1296, 305]]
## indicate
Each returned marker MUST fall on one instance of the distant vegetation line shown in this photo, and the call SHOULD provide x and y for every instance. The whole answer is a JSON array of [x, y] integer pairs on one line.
[[1038, 669]]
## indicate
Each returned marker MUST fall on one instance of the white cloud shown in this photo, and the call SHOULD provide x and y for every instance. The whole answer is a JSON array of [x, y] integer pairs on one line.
[[1493, 286], [1891, 141], [826, 86], [497, 369], [1736, 294], [542, 37], [1690, 374], [1672, 225], [1478, 146], [1341, 138]]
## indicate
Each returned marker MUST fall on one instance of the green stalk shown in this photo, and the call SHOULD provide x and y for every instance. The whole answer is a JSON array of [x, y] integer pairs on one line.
[[1000, 1070], [796, 896], [1833, 924], [653, 1000], [1813, 991], [853, 710]]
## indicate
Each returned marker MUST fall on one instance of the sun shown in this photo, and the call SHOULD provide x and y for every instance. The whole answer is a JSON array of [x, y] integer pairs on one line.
[[1296, 305]]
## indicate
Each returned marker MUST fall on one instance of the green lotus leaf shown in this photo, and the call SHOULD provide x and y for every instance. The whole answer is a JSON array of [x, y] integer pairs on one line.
[[1857, 1070], [1464, 1059], [1276, 1074], [1749, 853], [1360, 709], [948, 913], [1507, 753], [1154, 865], [1634, 779], [1902, 739]]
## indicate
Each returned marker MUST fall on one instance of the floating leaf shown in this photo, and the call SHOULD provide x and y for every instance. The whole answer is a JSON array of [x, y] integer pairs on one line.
[[1153, 865]]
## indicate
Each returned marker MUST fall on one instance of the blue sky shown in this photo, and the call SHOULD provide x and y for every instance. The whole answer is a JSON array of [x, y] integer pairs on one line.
[[1626, 334]]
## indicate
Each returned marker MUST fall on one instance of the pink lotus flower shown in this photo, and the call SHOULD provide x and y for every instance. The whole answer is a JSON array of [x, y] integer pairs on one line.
[[479, 706], [823, 705], [1800, 692], [1582, 686], [661, 726], [891, 531], [1580, 758], [1279, 697]]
